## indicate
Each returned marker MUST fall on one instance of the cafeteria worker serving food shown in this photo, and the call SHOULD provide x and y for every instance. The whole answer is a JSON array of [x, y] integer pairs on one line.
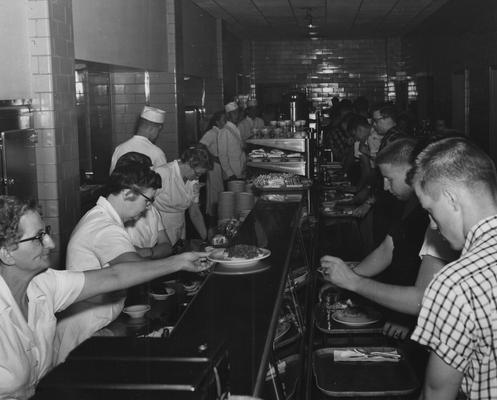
[[31, 293], [180, 192]]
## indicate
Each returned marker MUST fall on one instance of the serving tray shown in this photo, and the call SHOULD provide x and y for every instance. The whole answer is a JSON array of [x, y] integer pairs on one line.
[[360, 378]]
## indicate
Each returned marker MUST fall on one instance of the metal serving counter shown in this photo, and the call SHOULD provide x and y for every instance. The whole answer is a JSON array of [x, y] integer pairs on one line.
[[231, 322]]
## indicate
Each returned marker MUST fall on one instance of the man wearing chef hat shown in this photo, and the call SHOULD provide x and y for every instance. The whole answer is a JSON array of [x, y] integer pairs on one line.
[[231, 155], [251, 121], [143, 141]]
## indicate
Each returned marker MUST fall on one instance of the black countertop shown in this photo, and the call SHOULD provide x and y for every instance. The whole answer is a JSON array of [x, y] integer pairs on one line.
[[233, 314]]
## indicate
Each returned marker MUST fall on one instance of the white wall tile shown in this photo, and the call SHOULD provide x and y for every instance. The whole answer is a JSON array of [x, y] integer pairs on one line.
[[38, 9], [42, 28], [40, 46], [42, 83]]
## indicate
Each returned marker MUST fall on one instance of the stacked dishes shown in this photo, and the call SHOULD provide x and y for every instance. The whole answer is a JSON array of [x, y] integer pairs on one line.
[[244, 202], [192, 288], [226, 206], [236, 186]]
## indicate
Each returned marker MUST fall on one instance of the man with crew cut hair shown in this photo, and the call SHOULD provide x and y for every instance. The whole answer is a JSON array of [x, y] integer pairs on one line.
[[456, 182]]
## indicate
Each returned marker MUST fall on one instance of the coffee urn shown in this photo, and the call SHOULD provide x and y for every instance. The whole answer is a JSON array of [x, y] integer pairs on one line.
[[296, 104]]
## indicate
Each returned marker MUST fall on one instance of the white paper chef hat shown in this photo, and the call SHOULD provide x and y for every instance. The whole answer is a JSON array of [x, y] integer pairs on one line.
[[252, 103], [153, 114], [230, 107]]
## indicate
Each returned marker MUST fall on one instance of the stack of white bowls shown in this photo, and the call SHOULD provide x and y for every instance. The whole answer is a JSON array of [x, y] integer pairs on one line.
[[226, 206], [236, 186]]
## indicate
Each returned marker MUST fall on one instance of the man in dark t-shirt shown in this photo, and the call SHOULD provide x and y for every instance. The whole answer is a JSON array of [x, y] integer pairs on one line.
[[396, 260]]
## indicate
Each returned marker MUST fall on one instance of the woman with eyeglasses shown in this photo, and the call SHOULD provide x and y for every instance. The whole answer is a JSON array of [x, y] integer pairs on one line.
[[180, 192], [31, 293]]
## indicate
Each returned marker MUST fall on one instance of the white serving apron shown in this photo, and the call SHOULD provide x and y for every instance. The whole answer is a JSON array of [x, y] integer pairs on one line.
[[173, 199]]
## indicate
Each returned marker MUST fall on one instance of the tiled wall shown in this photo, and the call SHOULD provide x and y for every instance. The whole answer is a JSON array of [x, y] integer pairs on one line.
[[328, 68], [128, 93], [128, 96], [52, 49], [54, 116]]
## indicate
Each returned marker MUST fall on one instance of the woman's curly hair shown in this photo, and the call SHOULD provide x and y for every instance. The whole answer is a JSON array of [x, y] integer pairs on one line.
[[197, 156], [11, 211]]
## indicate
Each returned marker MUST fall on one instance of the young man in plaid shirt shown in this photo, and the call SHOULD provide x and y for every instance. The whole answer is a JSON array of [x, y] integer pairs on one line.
[[456, 183]]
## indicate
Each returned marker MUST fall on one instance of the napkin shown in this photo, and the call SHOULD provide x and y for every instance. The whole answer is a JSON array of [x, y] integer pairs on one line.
[[363, 355]]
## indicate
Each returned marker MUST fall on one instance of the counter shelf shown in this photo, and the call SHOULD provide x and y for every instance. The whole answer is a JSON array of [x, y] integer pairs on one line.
[[294, 167], [238, 314]]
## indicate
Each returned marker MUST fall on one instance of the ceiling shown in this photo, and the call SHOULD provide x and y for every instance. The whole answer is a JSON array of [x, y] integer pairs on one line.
[[335, 19]]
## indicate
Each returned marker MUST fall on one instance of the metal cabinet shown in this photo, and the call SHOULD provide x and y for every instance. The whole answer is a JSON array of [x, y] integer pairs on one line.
[[18, 163]]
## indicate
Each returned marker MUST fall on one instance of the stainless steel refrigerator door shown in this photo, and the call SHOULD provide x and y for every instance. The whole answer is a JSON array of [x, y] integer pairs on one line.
[[192, 132], [19, 163]]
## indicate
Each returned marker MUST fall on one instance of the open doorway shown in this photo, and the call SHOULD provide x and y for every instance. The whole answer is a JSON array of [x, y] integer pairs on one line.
[[93, 108]]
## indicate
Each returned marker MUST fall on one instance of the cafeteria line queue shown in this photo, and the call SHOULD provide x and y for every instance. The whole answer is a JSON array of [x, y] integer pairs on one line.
[[445, 182]]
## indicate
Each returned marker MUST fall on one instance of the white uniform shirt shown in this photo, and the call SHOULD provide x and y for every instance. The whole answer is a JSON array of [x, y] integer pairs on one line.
[[210, 140], [231, 154], [145, 230], [247, 124], [435, 245], [98, 238], [173, 199], [142, 145], [26, 348], [215, 183]]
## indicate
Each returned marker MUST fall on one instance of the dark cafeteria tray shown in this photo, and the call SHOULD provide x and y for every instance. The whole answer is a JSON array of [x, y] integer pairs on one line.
[[362, 378]]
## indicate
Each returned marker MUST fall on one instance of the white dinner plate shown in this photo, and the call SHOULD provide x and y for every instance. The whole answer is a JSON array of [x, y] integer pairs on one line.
[[337, 316], [221, 256]]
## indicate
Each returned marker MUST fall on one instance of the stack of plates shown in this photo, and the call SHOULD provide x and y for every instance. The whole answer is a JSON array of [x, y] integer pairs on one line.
[[192, 288], [243, 201], [226, 205], [236, 186]]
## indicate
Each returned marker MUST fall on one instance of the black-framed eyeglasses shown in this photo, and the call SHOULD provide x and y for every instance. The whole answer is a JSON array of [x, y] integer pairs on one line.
[[197, 173], [150, 200], [40, 237]]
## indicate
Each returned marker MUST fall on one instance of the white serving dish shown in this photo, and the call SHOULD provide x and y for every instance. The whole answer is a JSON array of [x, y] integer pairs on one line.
[[163, 296], [136, 311]]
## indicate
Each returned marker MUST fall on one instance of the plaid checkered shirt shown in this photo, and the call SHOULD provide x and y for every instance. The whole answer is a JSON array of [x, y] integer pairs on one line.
[[458, 318]]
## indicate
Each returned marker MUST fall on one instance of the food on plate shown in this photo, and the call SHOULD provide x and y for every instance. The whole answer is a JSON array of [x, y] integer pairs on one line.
[[353, 315], [219, 240], [257, 153], [228, 228], [275, 180], [244, 251], [275, 153]]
